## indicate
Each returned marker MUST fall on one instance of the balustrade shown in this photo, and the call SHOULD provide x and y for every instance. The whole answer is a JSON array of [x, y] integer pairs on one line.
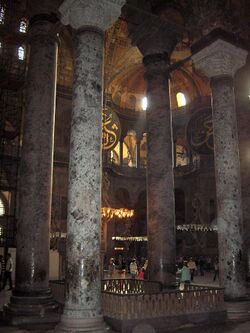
[[127, 299], [164, 304]]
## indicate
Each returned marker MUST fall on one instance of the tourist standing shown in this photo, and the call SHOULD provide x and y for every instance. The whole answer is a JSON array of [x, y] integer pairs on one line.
[[192, 267], [111, 267], [1, 270], [8, 272], [185, 275], [133, 268], [216, 269]]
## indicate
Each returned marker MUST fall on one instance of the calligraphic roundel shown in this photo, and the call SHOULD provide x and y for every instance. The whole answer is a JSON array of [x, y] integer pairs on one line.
[[200, 131], [111, 129]]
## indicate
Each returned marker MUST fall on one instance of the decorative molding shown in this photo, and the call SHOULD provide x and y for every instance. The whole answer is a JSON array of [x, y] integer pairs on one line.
[[85, 14], [220, 59]]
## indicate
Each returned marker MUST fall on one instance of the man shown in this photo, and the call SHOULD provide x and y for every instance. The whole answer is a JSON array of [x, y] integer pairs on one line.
[[2, 268], [133, 268], [8, 272], [192, 267]]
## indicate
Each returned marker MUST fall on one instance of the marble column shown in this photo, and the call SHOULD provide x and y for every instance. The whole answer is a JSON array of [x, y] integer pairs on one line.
[[160, 179], [219, 61], [138, 153], [82, 311], [121, 152], [31, 300], [156, 39]]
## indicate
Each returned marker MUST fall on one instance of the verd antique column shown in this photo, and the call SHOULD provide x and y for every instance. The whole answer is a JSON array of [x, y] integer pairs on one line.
[[219, 61], [31, 300], [160, 179], [156, 38], [82, 311]]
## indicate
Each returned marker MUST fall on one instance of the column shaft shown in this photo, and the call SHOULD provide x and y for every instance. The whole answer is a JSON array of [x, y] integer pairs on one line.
[[83, 284], [228, 188], [138, 154], [121, 152], [32, 261], [160, 184]]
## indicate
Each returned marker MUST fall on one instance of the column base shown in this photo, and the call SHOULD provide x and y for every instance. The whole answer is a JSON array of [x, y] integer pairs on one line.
[[238, 310], [31, 308], [78, 325]]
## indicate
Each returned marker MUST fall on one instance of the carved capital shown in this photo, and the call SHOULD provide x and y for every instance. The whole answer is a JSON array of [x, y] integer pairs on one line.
[[45, 7], [155, 36], [151, 33], [85, 14], [219, 59]]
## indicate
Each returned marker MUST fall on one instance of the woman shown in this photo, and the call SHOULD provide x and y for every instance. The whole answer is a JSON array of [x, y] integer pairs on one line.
[[185, 275]]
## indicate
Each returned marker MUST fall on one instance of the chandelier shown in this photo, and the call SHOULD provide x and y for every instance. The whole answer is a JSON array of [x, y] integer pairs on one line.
[[130, 238], [196, 227], [121, 213]]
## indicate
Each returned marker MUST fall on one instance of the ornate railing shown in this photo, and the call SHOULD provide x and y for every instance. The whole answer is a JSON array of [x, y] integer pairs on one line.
[[130, 286], [173, 303]]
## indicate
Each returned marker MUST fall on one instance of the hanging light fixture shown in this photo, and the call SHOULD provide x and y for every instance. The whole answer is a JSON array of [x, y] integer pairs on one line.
[[121, 213]]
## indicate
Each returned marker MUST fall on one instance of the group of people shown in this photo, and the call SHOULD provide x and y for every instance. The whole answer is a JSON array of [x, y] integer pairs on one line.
[[134, 269], [6, 272], [191, 267]]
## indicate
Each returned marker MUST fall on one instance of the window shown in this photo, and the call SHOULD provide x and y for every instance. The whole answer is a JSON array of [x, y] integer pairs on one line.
[[2, 14], [21, 53], [181, 156], [181, 99], [2, 207], [144, 103], [23, 25]]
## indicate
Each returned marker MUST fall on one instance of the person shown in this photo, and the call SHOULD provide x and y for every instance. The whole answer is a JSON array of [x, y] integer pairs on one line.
[[141, 273], [192, 267], [8, 272], [185, 274], [133, 268], [216, 269], [201, 266], [1, 270], [111, 267]]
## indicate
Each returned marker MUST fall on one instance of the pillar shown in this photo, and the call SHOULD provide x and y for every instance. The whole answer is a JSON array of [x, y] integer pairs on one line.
[[121, 151], [82, 311], [219, 61], [160, 178], [156, 45], [31, 300], [138, 152]]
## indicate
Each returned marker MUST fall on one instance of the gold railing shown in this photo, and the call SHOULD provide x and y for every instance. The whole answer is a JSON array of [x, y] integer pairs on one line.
[[130, 286]]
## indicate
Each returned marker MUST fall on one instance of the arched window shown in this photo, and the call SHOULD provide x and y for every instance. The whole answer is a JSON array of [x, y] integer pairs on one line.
[[144, 103], [2, 14], [2, 207], [181, 156], [21, 53], [181, 99], [130, 141], [23, 25]]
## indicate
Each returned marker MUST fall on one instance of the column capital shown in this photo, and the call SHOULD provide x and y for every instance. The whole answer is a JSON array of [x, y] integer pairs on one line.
[[85, 14], [155, 36], [220, 58], [151, 33]]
